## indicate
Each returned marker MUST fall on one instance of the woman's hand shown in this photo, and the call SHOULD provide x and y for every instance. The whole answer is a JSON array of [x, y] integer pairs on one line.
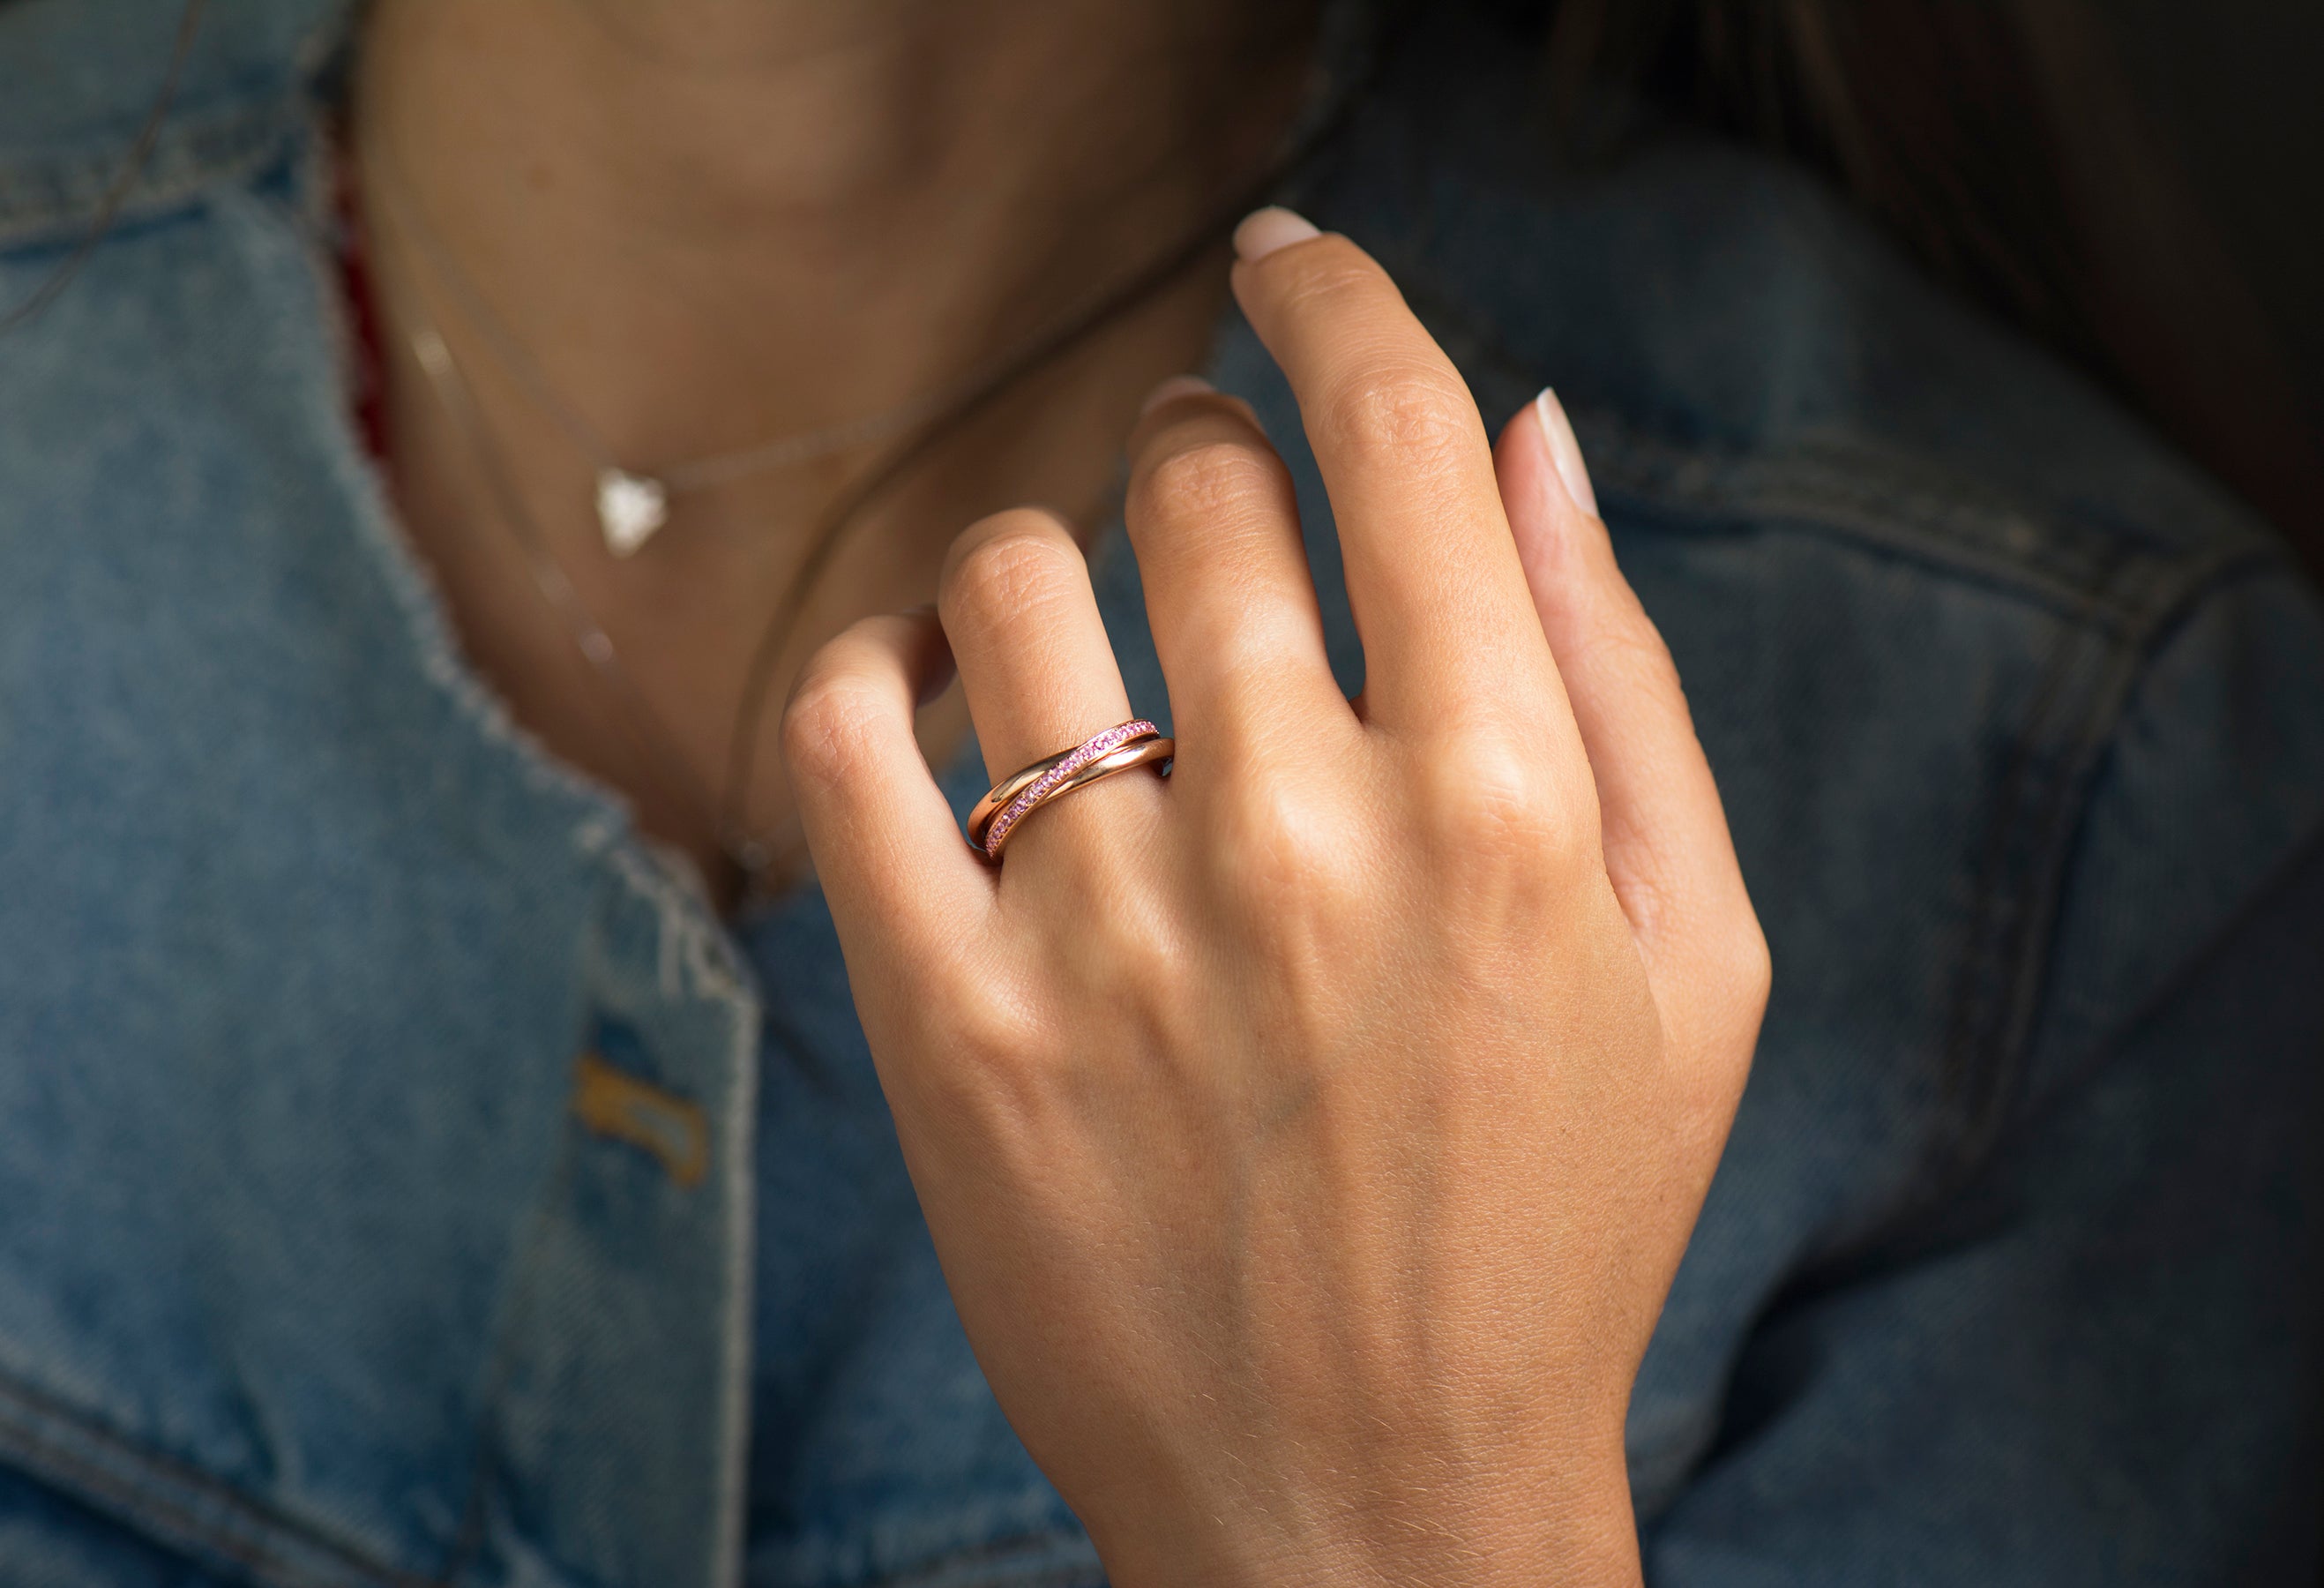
[[1309, 1138]]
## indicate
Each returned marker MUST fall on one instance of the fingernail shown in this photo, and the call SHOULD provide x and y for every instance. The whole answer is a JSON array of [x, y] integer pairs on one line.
[[1171, 390], [1564, 451], [1263, 231]]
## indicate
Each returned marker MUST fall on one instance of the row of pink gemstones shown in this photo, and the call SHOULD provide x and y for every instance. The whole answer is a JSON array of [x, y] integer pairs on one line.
[[1038, 789]]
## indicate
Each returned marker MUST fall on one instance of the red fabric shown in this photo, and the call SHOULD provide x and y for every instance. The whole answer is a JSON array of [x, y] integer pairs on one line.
[[368, 396]]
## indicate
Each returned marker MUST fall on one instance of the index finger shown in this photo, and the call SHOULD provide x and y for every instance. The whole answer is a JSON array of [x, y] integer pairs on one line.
[[893, 864], [1434, 578]]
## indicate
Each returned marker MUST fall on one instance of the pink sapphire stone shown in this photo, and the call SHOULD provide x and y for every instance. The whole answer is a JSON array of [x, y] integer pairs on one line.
[[1040, 789]]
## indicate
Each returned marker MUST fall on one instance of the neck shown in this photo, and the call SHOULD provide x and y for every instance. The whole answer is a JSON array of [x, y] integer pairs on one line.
[[673, 207], [707, 224]]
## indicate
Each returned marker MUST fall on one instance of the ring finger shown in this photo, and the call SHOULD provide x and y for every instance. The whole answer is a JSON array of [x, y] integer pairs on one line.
[[1034, 659]]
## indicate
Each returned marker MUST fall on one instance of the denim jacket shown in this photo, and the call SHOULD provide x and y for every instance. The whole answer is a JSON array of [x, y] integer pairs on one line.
[[405, 1178]]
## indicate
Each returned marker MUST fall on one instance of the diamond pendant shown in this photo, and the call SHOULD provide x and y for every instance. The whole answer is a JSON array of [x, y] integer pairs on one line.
[[630, 509]]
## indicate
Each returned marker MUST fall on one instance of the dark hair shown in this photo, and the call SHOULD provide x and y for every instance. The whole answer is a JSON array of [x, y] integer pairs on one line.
[[2001, 142]]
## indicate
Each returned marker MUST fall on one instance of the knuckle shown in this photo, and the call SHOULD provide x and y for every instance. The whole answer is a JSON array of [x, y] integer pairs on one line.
[[1501, 801], [1279, 842], [992, 1053], [1009, 566], [1630, 650], [991, 1031], [1329, 276], [1130, 950], [1413, 414], [829, 723], [1730, 980], [1209, 479], [1748, 970]]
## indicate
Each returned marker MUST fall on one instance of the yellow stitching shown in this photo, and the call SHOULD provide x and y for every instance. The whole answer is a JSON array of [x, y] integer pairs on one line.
[[614, 1103]]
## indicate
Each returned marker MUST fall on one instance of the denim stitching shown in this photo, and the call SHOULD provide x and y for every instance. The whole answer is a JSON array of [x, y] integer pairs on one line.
[[51, 204], [2005, 1041], [2036, 1106], [2122, 596], [175, 1504], [601, 831], [2007, 907], [713, 979], [48, 197], [516, 1300], [1959, 525]]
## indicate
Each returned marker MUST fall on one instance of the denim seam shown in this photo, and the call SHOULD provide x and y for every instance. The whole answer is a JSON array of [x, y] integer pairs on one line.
[[2010, 1039], [1856, 494], [2125, 596], [690, 937], [1957, 524], [701, 948], [511, 1310], [742, 1201], [680, 921], [601, 831], [715, 969], [178, 1506], [2104, 1053], [2033, 842], [2031, 809], [53, 202], [49, 197], [712, 965]]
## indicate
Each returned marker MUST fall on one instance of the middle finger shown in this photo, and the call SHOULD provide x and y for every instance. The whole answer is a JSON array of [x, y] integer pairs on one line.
[[1439, 594], [1229, 597]]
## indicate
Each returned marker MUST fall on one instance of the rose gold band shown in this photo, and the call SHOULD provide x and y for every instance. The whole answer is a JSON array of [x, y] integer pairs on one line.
[[1116, 750], [981, 814]]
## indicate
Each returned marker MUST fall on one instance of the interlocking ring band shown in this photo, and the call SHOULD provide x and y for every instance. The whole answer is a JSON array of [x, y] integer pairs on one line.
[[1101, 755]]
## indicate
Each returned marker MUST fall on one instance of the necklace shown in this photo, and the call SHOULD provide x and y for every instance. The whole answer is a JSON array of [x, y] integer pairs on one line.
[[1347, 53], [634, 503], [657, 748]]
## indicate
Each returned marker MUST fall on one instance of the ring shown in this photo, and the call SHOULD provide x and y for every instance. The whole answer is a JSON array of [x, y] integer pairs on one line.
[[1101, 755], [1003, 793]]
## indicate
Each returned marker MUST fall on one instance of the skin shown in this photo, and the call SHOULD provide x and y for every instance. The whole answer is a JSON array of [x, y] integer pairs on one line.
[[1310, 1138], [714, 221]]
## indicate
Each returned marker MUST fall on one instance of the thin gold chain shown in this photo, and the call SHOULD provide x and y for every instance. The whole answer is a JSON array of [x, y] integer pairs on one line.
[[493, 333], [725, 813]]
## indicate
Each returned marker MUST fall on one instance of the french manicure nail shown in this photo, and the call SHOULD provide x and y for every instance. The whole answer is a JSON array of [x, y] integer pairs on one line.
[[1169, 390], [1564, 451], [1263, 231]]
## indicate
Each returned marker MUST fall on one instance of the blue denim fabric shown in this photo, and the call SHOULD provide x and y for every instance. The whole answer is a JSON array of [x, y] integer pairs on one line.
[[322, 1260]]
